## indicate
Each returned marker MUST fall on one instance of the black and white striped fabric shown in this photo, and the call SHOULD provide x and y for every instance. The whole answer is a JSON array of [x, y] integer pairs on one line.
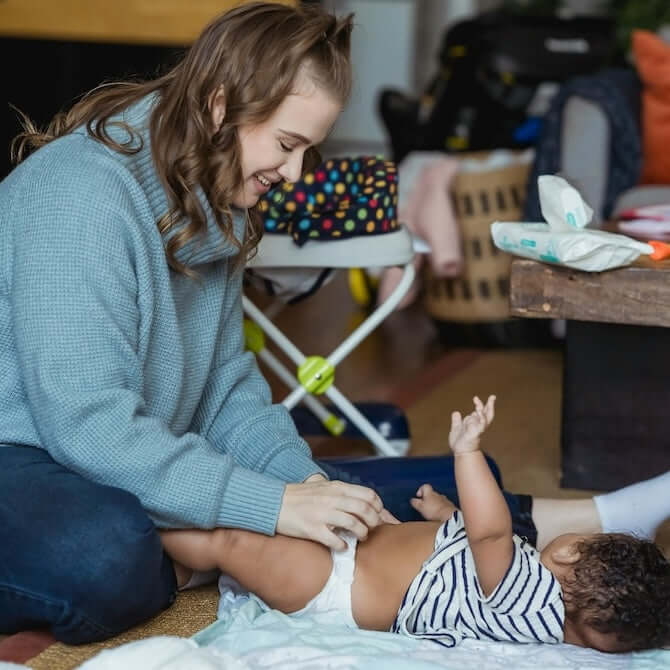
[[445, 603]]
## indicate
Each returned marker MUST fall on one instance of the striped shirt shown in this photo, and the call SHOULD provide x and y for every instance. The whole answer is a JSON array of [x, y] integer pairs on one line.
[[445, 602]]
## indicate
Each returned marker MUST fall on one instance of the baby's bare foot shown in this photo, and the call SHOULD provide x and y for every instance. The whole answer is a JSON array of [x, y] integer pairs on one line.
[[182, 573], [432, 506]]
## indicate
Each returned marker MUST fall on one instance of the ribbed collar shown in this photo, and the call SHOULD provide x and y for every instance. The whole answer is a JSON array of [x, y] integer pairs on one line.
[[207, 248]]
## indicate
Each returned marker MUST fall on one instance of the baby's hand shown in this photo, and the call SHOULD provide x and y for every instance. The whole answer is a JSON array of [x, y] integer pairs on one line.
[[464, 434], [432, 506]]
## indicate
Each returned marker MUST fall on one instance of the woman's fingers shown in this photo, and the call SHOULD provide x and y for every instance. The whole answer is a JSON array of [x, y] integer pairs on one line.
[[312, 510], [359, 501], [363, 493], [364, 509], [331, 539], [345, 521], [354, 497], [387, 517]]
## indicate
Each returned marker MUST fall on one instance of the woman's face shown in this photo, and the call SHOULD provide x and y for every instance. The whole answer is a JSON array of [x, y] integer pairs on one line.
[[273, 150]]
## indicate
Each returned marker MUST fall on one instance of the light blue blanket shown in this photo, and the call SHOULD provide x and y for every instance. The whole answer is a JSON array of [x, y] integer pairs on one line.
[[268, 638], [246, 637]]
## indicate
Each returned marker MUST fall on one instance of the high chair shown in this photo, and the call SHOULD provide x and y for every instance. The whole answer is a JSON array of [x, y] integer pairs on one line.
[[340, 216]]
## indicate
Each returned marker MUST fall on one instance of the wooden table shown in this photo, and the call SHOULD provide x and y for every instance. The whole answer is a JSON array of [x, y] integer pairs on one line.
[[616, 386], [635, 295]]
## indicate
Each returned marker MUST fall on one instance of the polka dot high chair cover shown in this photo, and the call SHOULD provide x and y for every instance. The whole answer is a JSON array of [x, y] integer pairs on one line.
[[341, 198]]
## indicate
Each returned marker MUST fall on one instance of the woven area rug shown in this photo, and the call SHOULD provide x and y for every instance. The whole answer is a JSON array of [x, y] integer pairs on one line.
[[524, 440], [192, 611]]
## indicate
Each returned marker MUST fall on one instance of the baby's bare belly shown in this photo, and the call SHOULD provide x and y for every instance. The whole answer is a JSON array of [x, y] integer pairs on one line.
[[386, 564]]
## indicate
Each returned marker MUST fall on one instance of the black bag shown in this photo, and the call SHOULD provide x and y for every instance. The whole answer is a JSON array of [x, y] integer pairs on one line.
[[491, 68]]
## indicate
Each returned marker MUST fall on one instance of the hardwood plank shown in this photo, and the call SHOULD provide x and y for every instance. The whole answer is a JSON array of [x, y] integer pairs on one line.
[[130, 21], [634, 295]]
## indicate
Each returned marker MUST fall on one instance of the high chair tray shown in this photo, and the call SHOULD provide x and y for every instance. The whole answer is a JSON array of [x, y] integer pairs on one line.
[[392, 248]]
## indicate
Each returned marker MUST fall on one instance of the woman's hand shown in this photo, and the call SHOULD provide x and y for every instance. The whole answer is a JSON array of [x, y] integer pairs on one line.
[[465, 432], [313, 509]]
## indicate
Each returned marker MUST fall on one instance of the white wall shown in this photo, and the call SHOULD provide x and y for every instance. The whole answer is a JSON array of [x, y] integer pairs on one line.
[[383, 56]]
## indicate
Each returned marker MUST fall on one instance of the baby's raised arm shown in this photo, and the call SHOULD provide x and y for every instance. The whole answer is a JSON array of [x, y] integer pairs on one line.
[[486, 517]]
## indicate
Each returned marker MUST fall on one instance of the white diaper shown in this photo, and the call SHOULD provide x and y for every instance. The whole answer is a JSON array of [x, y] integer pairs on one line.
[[335, 596]]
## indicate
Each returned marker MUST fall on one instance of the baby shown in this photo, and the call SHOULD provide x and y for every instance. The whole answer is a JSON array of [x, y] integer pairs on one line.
[[460, 574]]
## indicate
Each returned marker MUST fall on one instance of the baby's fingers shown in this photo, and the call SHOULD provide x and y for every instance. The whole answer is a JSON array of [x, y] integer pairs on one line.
[[485, 412], [480, 411], [456, 427], [489, 409], [474, 424], [424, 490]]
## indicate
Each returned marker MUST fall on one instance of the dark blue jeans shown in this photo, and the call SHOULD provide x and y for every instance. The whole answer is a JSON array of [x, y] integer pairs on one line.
[[86, 561], [79, 558]]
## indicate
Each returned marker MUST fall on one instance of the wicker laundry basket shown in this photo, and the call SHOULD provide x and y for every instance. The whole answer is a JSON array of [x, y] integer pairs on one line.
[[481, 293]]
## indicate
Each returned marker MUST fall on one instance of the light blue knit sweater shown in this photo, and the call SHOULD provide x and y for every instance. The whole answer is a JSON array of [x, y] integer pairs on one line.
[[126, 372]]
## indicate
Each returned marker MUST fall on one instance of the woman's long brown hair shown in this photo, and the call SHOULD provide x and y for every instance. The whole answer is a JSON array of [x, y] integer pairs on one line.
[[254, 52]]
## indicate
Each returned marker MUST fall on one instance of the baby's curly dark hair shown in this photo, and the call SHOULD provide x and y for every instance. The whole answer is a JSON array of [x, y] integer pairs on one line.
[[621, 586]]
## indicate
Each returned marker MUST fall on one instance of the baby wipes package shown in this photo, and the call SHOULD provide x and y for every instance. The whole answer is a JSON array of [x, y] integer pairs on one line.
[[564, 238]]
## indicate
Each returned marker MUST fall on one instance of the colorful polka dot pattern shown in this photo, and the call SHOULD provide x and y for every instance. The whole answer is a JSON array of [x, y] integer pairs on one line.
[[342, 197]]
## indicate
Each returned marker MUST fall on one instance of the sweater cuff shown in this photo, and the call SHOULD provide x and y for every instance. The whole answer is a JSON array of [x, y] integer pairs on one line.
[[251, 501], [292, 466]]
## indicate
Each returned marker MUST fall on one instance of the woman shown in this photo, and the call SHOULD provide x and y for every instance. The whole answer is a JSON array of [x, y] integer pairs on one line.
[[127, 401]]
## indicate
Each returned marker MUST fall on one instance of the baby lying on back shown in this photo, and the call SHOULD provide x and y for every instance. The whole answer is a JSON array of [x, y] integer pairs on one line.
[[459, 574]]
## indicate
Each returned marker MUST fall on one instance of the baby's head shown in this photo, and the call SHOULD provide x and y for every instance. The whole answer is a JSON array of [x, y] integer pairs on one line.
[[616, 590]]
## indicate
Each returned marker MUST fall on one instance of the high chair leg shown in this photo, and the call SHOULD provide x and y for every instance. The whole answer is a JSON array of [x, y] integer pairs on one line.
[[300, 391], [330, 421]]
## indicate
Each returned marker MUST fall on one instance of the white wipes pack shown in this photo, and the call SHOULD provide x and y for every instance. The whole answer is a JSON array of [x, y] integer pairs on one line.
[[564, 238]]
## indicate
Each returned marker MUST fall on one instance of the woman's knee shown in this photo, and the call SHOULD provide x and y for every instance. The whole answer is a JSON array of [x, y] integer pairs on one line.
[[125, 576], [88, 557]]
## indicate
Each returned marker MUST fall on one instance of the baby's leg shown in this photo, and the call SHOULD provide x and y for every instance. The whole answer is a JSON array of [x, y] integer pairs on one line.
[[285, 572]]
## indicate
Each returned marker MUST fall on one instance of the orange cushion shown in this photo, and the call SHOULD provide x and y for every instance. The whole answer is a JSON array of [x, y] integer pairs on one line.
[[652, 59]]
